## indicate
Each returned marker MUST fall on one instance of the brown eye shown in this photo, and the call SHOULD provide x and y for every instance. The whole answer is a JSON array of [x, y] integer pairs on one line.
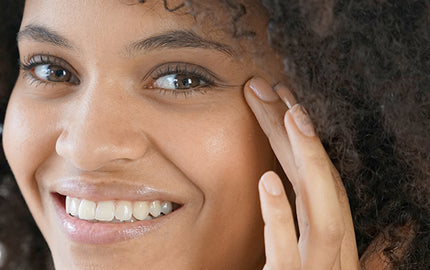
[[179, 81], [52, 73], [185, 82]]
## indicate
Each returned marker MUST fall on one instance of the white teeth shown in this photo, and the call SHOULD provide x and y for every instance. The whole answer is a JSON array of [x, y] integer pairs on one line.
[[155, 208], [105, 211], [123, 210], [74, 207], [68, 199], [141, 210], [119, 211], [166, 208], [87, 210]]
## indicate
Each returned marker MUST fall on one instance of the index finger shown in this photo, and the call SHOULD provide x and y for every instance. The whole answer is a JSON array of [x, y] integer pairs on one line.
[[320, 219], [322, 197]]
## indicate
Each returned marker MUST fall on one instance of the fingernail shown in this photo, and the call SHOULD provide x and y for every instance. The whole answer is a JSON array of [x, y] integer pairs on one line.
[[285, 94], [302, 120], [272, 184], [263, 90]]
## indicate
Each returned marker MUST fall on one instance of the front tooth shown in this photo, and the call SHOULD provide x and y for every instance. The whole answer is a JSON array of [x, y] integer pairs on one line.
[[105, 211], [166, 208], [155, 208], [140, 210], [87, 210], [123, 210], [74, 206]]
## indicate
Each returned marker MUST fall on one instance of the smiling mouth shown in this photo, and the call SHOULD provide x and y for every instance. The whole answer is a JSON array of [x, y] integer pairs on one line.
[[117, 211]]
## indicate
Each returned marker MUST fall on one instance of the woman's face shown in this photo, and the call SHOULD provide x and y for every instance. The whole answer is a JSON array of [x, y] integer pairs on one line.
[[120, 105]]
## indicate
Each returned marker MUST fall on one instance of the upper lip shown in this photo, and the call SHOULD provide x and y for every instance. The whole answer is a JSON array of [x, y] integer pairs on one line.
[[104, 189]]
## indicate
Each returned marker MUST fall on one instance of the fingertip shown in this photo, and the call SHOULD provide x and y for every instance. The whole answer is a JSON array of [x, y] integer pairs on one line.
[[300, 117], [285, 94], [271, 183], [262, 89]]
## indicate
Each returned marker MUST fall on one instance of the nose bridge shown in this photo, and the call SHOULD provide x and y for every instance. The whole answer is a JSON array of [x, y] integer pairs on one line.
[[97, 131]]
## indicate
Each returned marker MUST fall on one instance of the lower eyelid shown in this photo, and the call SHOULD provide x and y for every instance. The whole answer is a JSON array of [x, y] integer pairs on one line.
[[31, 79], [184, 93]]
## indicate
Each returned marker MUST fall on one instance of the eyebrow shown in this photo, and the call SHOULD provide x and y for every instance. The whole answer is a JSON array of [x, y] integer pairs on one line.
[[45, 35], [178, 39], [169, 40]]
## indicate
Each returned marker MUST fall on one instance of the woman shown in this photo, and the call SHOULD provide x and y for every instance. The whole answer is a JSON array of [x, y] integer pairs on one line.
[[171, 110]]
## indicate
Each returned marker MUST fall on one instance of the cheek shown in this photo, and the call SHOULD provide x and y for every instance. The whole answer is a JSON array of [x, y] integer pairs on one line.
[[217, 146], [28, 135], [223, 153], [26, 145]]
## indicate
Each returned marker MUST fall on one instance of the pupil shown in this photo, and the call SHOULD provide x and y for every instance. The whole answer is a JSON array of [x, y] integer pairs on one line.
[[60, 73], [186, 82]]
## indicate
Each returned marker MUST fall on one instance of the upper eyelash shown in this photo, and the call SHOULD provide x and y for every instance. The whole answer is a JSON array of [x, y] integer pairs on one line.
[[32, 61], [184, 68]]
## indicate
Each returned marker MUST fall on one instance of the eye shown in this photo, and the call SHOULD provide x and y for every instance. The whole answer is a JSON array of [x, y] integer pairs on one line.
[[52, 73], [179, 81], [47, 69]]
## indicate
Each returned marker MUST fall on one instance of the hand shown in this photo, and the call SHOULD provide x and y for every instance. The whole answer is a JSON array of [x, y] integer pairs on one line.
[[326, 233]]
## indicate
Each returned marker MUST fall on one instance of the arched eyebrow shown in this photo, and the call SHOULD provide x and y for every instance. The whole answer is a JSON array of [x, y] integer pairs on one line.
[[43, 34], [168, 40], [177, 39]]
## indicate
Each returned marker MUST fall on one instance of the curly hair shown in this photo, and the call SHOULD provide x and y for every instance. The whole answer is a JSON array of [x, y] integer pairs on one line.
[[362, 69]]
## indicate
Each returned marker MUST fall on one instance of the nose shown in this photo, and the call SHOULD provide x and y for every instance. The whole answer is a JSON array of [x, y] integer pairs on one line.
[[96, 131]]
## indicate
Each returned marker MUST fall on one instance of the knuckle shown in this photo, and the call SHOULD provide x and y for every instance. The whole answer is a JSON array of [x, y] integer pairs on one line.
[[330, 233], [311, 161], [280, 217]]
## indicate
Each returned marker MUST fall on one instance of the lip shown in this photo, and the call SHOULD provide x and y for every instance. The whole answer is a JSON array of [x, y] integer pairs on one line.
[[86, 232], [94, 189]]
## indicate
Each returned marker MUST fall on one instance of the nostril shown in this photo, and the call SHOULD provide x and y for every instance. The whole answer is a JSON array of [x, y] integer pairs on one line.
[[89, 150]]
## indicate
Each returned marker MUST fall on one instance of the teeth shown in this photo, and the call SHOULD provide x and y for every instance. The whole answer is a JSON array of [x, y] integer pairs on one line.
[[155, 208], [166, 208], [87, 210], [141, 210], [116, 211], [68, 199], [74, 206], [105, 211], [123, 210]]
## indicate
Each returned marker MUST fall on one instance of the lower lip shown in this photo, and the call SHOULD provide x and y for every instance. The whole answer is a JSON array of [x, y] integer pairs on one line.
[[86, 232]]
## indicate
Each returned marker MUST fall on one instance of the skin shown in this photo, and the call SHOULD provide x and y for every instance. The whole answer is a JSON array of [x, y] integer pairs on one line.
[[210, 148]]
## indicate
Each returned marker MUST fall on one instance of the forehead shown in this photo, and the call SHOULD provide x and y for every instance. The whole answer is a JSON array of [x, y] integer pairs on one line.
[[101, 23], [124, 17]]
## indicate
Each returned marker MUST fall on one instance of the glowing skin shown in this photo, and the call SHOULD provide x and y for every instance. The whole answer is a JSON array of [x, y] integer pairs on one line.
[[109, 135]]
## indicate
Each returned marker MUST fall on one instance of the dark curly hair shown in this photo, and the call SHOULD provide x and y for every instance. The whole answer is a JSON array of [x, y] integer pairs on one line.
[[362, 69]]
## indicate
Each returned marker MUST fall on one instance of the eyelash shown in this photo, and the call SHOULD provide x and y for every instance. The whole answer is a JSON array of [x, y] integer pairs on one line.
[[30, 62], [188, 70], [185, 69]]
